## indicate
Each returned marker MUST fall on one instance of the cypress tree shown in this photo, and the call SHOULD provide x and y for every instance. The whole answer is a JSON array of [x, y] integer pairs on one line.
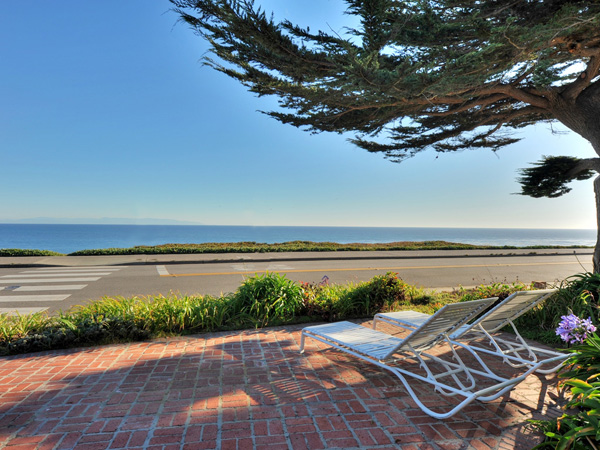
[[445, 75]]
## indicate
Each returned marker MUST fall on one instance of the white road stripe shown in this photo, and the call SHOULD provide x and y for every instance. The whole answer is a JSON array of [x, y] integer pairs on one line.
[[32, 298], [45, 280], [50, 275], [21, 311], [162, 270], [60, 287]]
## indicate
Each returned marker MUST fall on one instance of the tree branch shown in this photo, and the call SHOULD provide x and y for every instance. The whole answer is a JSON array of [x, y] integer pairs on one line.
[[572, 91], [584, 165]]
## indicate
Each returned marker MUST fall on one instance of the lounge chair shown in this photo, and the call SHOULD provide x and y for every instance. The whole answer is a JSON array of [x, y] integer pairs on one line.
[[390, 353], [515, 352]]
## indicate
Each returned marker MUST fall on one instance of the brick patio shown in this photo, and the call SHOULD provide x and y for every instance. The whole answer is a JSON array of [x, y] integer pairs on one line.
[[241, 390]]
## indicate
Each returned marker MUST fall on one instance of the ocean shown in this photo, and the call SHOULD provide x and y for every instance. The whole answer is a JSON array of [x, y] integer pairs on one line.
[[70, 238]]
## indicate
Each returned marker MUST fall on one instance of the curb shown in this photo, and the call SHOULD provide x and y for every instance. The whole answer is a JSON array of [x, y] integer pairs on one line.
[[143, 260]]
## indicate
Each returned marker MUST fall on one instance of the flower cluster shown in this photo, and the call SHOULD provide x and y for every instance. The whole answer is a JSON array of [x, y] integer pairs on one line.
[[573, 329]]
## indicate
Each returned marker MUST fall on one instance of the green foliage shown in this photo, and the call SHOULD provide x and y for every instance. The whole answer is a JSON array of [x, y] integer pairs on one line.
[[445, 75], [262, 300], [268, 299], [161, 315], [579, 427], [584, 364], [384, 292], [64, 332], [319, 300], [578, 294], [293, 246], [549, 177], [583, 293], [500, 290], [26, 252], [256, 247], [15, 327]]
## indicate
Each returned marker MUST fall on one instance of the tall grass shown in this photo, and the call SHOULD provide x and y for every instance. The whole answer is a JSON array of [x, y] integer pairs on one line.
[[160, 315], [15, 327], [268, 299], [578, 294], [264, 300]]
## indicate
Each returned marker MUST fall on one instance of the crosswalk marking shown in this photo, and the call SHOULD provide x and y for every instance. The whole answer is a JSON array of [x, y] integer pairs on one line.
[[162, 271], [33, 298], [37, 286], [46, 280], [58, 287]]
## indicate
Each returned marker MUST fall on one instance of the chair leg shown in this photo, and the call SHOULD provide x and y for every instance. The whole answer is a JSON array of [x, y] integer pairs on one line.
[[302, 340]]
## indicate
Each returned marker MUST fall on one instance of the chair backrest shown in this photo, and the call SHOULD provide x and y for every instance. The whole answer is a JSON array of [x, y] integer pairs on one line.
[[512, 307], [443, 322]]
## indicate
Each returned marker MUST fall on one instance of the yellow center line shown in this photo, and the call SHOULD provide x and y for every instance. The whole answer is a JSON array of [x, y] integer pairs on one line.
[[350, 269]]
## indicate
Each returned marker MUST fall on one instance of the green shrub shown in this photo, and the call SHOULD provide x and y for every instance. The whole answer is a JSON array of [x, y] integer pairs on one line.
[[184, 315], [268, 299], [162, 315], [11, 252], [577, 294], [384, 292], [262, 300], [579, 427], [500, 290], [321, 300], [581, 294], [13, 327], [64, 333]]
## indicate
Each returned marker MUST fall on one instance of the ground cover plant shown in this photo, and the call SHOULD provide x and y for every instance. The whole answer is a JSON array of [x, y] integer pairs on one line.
[[258, 247], [27, 252], [291, 246]]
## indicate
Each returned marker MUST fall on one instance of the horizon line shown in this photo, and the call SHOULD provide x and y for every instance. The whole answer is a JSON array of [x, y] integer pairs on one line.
[[198, 224]]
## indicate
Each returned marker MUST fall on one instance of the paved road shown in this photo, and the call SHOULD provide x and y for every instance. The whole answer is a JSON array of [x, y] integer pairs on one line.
[[54, 284]]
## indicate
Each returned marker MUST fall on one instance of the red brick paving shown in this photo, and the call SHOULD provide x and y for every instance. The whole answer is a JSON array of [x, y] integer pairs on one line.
[[241, 390]]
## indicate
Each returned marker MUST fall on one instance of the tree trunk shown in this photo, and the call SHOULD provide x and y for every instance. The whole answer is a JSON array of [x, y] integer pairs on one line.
[[596, 258], [594, 138], [582, 117]]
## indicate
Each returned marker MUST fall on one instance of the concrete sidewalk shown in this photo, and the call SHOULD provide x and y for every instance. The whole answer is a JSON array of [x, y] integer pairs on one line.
[[242, 390], [199, 258]]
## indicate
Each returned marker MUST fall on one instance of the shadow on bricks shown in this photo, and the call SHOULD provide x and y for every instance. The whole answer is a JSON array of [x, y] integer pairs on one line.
[[241, 390]]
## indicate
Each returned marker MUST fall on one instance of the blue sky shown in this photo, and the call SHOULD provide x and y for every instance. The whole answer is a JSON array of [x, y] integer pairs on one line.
[[107, 112]]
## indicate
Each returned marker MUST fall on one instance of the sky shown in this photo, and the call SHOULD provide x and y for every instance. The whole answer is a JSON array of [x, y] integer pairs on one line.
[[107, 112]]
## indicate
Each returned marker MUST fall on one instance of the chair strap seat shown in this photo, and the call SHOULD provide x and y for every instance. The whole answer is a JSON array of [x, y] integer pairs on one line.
[[371, 343]]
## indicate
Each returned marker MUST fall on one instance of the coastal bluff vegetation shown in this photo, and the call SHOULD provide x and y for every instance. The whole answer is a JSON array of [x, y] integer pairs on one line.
[[255, 247]]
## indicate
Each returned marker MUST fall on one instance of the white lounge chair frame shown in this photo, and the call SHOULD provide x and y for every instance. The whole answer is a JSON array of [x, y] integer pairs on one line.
[[517, 353], [381, 349]]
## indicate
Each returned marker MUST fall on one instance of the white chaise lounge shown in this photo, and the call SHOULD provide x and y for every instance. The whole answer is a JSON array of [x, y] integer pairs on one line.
[[390, 352], [516, 352]]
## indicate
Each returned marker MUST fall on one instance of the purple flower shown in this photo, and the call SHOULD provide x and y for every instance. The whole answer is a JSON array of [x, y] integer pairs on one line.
[[573, 329]]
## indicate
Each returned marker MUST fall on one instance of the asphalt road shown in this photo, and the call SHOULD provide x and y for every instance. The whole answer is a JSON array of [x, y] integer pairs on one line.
[[44, 285]]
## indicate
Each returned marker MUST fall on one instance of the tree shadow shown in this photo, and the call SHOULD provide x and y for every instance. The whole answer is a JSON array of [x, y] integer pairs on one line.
[[245, 389]]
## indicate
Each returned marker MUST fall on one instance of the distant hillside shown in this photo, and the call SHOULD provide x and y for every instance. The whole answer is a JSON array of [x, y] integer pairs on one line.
[[99, 221]]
